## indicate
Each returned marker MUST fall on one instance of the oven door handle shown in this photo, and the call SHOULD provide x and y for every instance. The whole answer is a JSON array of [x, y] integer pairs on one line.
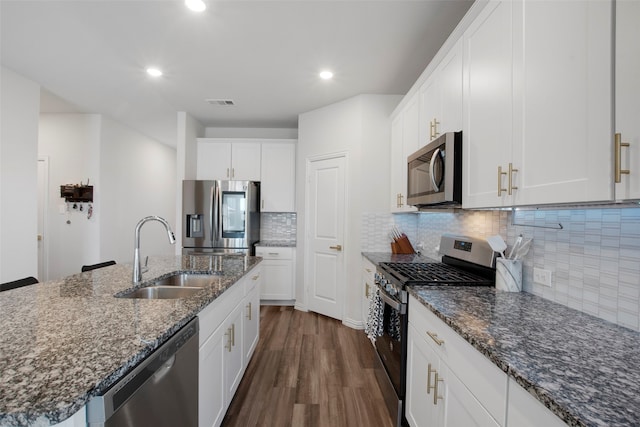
[[398, 306]]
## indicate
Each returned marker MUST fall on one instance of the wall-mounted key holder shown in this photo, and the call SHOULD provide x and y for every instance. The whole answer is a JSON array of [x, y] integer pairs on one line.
[[77, 193]]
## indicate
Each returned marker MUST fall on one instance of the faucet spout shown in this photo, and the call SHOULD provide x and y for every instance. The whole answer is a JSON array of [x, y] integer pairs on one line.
[[137, 269]]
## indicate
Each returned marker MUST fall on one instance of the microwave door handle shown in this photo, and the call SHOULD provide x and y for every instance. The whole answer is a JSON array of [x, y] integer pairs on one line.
[[432, 163]]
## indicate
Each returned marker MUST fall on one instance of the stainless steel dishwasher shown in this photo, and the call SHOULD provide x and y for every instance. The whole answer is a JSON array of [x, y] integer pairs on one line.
[[161, 391]]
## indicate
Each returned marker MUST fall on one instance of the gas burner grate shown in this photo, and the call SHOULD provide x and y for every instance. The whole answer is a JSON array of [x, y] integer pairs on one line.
[[431, 273]]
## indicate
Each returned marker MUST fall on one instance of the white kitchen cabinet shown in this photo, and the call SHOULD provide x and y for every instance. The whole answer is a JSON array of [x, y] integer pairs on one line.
[[441, 97], [627, 98], [562, 147], [228, 160], [278, 273], [537, 104], [405, 140], [422, 364], [224, 336], [277, 188], [524, 410], [251, 323], [468, 389], [487, 103], [368, 285]]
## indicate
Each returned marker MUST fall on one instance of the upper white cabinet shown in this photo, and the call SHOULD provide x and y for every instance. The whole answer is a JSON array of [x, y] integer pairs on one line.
[[277, 190], [487, 107], [232, 160], [441, 97], [627, 100], [537, 104], [563, 103], [405, 140]]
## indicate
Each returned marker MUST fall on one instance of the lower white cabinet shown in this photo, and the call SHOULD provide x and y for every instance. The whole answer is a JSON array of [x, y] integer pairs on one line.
[[227, 341], [278, 272], [368, 285], [449, 383], [524, 410]]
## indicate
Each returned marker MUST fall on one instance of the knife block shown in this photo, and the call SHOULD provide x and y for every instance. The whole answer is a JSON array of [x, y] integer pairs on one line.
[[402, 245]]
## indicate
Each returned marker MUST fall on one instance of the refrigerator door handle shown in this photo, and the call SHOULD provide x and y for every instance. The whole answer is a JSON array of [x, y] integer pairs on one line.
[[212, 199], [218, 208]]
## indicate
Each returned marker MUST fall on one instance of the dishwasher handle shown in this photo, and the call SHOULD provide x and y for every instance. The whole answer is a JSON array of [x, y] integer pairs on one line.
[[101, 407]]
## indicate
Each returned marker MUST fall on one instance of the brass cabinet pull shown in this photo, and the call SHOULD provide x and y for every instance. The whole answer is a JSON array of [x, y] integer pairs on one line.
[[233, 335], [336, 247], [227, 172], [500, 189], [618, 157], [233, 172], [429, 372], [228, 344], [249, 307], [256, 277], [262, 206], [511, 171], [399, 198], [368, 270], [366, 290], [434, 337], [436, 379], [433, 128]]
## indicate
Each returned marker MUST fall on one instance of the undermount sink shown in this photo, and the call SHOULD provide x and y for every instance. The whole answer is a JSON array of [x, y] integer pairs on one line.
[[162, 292], [182, 285]]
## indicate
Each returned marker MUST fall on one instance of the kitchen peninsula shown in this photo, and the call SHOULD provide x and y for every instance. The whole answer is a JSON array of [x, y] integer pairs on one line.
[[66, 340]]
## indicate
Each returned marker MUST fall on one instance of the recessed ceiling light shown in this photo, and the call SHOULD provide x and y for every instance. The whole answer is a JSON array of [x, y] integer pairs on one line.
[[326, 75], [195, 5], [154, 72]]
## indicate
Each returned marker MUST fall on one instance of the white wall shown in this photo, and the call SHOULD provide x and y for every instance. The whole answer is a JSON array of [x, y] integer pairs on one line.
[[138, 178], [186, 164], [265, 133], [71, 142], [19, 111], [360, 128]]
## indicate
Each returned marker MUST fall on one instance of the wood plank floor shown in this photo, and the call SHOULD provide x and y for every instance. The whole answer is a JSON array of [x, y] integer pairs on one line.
[[308, 370]]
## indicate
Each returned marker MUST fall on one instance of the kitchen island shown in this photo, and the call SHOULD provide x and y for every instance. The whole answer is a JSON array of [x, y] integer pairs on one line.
[[66, 340]]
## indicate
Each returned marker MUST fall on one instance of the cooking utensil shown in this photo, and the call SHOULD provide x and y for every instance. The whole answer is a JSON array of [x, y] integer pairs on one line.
[[498, 244], [515, 246], [523, 249]]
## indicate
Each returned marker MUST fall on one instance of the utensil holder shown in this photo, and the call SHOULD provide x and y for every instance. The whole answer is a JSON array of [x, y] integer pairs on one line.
[[508, 275]]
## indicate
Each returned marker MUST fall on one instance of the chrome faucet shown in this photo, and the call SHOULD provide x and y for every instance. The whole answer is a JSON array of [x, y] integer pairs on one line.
[[137, 270]]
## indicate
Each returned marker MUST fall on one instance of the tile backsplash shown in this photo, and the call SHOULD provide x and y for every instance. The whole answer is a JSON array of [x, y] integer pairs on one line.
[[278, 226], [594, 258]]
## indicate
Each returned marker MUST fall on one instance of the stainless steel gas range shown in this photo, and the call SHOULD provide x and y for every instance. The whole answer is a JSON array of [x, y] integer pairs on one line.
[[466, 261]]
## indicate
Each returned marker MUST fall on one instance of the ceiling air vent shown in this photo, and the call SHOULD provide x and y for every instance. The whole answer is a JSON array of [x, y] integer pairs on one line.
[[222, 102]]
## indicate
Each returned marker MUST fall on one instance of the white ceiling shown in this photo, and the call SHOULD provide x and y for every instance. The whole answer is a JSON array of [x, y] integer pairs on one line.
[[264, 55]]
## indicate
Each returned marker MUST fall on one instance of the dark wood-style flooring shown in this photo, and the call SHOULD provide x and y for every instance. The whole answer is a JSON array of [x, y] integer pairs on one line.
[[308, 370]]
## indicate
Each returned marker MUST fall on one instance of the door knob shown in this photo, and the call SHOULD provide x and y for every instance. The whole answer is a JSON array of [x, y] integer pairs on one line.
[[337, 247]]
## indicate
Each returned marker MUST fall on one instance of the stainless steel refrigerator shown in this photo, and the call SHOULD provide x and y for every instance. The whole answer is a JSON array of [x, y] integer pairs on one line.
[[220, 217]]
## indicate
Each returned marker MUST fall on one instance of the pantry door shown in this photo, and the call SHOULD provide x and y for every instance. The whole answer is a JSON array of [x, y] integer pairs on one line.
[[325, 277]]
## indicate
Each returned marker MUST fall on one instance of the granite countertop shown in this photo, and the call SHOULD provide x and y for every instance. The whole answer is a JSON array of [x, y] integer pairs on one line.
[[66, 340], [277, 243], [586, 370]]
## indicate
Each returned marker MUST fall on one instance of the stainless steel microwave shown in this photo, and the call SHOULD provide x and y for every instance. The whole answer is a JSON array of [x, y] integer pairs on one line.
[[435, 173]]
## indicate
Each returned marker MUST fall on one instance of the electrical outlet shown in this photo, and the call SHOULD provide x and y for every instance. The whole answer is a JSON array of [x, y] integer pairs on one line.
[[542, 276]]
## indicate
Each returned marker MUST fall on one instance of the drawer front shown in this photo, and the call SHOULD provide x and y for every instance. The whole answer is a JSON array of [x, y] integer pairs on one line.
[[483, 378], [214, 314], [269, 252]]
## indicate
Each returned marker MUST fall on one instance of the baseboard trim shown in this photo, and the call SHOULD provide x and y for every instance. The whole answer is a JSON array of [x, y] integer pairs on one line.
[[353, 324]]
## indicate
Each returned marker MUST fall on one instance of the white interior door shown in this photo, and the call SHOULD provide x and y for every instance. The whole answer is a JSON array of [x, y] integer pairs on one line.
[[325, 275], [43, 194]]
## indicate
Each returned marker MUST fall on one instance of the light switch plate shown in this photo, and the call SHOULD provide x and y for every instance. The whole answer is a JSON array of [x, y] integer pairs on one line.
[[542, 276]]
